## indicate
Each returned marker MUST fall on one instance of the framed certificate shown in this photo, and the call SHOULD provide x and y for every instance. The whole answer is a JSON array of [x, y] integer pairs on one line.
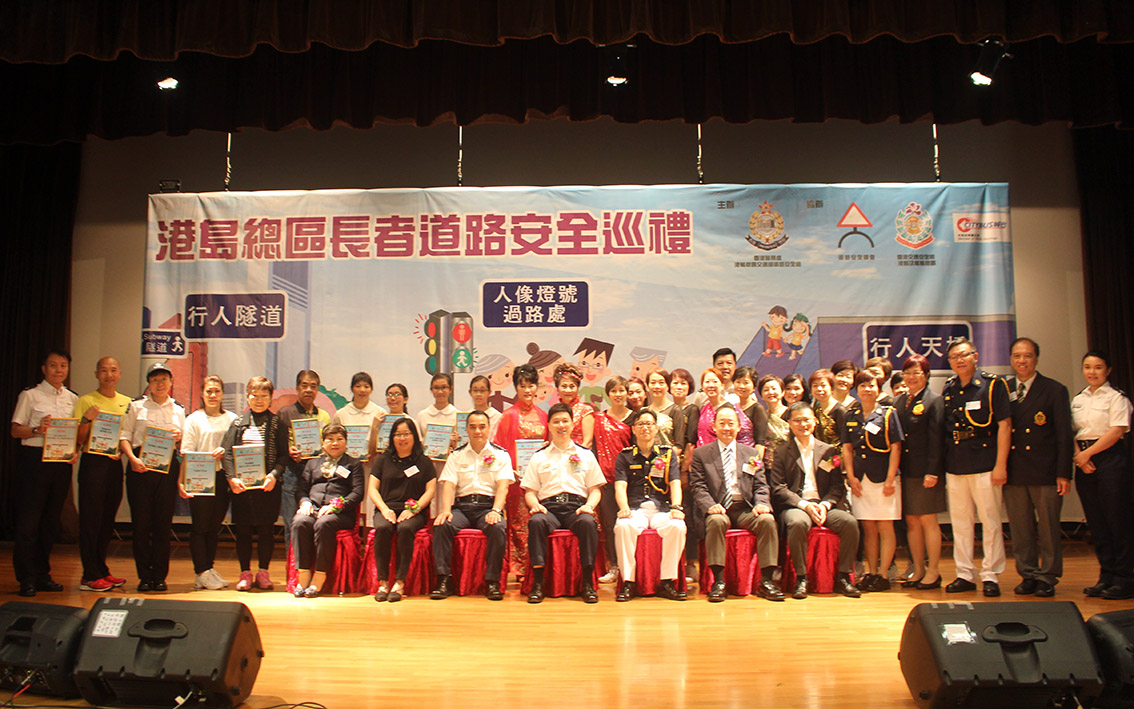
[[462, 430], [248, 460], [60, 440], [105, 429], [158, 448], [437, 437], [306, 432], [199, 474], [358, 441], [386, 429], [525, 447]]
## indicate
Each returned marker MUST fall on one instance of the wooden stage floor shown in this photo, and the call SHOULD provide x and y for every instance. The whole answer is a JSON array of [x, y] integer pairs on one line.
[[350, 652]]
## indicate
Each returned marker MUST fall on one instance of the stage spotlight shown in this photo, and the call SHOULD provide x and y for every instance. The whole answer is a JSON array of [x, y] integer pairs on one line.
[[991, 53], [167, 84], [619, 64]]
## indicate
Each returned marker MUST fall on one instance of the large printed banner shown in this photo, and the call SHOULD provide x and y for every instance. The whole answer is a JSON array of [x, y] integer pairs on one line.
[[402, 283]]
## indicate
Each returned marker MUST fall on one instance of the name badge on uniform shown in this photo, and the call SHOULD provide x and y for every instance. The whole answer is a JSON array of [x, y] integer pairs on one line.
[[342, 471], [636, 467], [1011, 396], [972, 406], [826, 465], [658, 474], [411, 471], [748, 469], [872, 427]]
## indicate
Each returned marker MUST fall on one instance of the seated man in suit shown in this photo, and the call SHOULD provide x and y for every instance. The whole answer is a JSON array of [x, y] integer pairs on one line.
[[729, 486], [474, 485], [562, 485], [807, 489]]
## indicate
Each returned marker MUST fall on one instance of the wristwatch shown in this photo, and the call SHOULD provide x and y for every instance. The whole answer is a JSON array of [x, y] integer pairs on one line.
[[679, 508], [499, 512]]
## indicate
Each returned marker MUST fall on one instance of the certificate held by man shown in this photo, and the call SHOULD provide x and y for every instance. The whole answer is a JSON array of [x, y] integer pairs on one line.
[[59, 440], [437, 439], [200, 474], [249, 462], [158, 448], [305, 433], [104, 433]]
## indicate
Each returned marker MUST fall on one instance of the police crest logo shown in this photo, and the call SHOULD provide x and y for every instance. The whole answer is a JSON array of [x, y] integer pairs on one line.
[[1040, 418], [766, 228], [914, 225]]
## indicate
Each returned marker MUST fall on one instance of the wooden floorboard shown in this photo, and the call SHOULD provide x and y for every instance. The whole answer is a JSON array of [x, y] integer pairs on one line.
[[350, 652]]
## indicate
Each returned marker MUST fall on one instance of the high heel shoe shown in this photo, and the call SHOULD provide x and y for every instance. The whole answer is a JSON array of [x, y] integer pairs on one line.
[[929, 586], [912, 583]]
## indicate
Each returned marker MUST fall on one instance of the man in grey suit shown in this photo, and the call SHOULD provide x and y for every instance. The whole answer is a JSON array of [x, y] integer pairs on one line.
[[730, 486], [807, 489], [1039, 470]]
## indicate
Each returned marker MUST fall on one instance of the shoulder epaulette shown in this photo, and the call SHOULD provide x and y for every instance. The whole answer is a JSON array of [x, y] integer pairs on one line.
[[72, 391], [461, 447], [498, 447], [544, 446], [33, 386]]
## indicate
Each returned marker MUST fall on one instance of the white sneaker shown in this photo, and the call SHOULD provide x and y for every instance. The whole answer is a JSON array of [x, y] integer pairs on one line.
[[202, 581], [217, 578], [610, 576]]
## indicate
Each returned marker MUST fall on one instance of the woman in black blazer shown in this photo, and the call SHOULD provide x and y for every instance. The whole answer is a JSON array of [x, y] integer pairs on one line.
[[328, 491], [922, 414]]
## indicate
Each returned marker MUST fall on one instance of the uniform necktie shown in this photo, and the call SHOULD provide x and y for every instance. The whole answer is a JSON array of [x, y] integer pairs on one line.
[[1020, 390], [729, 469]]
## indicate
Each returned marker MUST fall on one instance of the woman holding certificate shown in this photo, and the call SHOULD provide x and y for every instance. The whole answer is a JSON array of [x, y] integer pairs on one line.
[[149, 438], [251, 451], [204, 483], [328, 492], [402, 485]]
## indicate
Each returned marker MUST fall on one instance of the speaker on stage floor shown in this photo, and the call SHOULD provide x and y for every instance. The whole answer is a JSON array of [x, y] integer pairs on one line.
[[151, 652], [1026, 654], [39, 641], [1113, 633]]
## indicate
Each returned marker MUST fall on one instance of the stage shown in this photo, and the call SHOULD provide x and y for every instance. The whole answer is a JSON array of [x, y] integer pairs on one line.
[[351, 652]]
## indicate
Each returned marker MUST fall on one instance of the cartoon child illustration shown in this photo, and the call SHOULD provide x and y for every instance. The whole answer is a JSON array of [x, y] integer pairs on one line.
[[777, 317], [545, 362], [800, 335], [498, 369], [645, 360], [594, 360]]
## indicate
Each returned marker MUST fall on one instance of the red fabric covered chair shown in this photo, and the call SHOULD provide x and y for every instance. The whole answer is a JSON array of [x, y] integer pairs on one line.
[[647, 559], [741, 569], [342, 577], [419, 578], [562, 576], [469, 551], [822, 562]]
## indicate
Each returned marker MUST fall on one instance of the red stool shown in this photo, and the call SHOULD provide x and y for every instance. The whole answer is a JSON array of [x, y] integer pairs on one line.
[[647, 559], [468, 563], [419, 578], [822, 562], [342, 577], [562, 575], [741, 564]]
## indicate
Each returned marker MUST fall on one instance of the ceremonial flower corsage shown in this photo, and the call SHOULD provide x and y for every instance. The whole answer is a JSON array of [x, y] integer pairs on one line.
[[836, 460], [576, 461], [337, 504], [412, 506], [660, 463], [488, 459], [756, 463]]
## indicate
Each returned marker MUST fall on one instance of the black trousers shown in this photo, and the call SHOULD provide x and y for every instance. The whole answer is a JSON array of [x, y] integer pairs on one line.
[[152, 496], [42, 492], [465, 517], [208, 513], [558, 516], [100, 494], [1106, 495], [265, 544], [315, 539], [383, 534]]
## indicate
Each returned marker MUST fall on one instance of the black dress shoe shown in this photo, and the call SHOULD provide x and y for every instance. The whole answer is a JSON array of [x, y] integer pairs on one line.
[[492, 591], [49, 585], [877, 584], [991, 589], [1118, 592], [770, 591], [800, 591], [27, 590], [844, 586], [1027, 587], [145, 587], [718, 592], [865, 582], [960, 585], [442, 589], [667, 588], [589, 594], [912, 583], [1095, 591], [536, 594], [922, 586], [1044, 589], [626, 592], [160, 587], [381, 596]]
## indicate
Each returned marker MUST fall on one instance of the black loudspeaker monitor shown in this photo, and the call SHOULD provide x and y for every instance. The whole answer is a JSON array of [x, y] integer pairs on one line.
[[1027, 654], [1113, 633], [153, 652], [39, 641]]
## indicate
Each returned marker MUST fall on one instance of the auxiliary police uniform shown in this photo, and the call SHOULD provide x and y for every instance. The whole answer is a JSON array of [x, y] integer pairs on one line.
[[648, 476], [474, 493], [972, 416]]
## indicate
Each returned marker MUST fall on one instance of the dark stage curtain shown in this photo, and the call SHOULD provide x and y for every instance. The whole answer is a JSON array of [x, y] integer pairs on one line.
[[54, 31], [38, 192], [1104, 160]]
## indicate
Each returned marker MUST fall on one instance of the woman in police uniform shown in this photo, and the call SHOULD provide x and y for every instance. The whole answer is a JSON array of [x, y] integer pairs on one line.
[[1100, 415], [872, 451]]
